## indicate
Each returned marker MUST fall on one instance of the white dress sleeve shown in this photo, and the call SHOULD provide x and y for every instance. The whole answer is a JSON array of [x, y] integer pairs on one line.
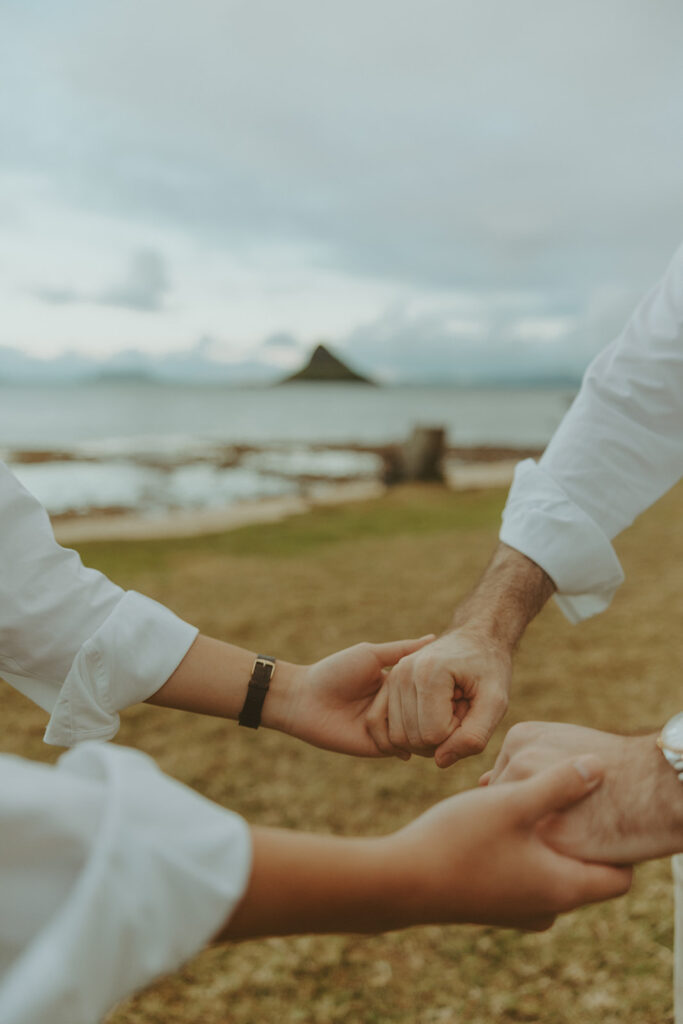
[[111, 874], [70, 639], [618, 449]]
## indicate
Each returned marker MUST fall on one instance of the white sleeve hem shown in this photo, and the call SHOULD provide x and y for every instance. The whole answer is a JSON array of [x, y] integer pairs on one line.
[[124, 662], [140, 873], [542, 522]]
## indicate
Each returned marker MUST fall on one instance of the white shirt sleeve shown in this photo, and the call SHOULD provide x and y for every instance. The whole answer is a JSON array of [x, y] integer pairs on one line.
[[70, 639], [111, 874], [618, 449]]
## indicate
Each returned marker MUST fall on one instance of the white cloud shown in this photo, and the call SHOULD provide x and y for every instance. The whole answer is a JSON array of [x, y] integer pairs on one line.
[[301, 167]]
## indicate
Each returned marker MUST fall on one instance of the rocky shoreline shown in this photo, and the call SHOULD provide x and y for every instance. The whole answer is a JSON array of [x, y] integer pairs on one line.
[[95, 494]]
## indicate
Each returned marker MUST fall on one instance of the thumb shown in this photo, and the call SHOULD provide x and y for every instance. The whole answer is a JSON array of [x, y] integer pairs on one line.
[[557, 788], [472, 736], [389, 653]]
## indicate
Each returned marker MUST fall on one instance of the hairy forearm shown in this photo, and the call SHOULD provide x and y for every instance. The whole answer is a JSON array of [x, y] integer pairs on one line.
[[303, 884], [512, 591]]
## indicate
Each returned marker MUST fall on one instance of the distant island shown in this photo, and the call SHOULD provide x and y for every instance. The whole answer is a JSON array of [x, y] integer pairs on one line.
[[324, 366]]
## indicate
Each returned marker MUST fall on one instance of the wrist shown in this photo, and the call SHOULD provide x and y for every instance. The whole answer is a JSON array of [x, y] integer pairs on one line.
[[509, 595], [410, 886], [658, 793], [284, 685], [334, 884]]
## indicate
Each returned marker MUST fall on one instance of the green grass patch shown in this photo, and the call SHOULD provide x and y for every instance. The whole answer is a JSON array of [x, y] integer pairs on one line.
[[406, 511]]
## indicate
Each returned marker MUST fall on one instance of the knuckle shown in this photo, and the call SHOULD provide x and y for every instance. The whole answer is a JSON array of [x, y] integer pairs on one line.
[[396, 736], [433, 735], [500, 704], [521, 766]]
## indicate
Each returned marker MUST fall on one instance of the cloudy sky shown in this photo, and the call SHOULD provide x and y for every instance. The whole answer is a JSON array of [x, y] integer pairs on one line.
[[426, 184]]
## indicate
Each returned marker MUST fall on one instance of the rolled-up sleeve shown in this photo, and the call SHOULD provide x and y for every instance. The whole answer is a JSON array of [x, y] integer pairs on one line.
[[70, 639], [111, 874], [618, 449]]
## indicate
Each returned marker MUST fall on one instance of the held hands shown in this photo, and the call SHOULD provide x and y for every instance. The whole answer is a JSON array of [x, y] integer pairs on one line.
[[445, 699], [326, 704], [637, 813], [474, 858], [480, 857]]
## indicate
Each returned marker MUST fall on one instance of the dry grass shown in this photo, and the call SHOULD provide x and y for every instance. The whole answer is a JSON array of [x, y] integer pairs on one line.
[[391, 568]]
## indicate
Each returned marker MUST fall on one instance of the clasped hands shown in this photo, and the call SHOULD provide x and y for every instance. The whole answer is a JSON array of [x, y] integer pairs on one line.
[[444, 697], [514, 841]]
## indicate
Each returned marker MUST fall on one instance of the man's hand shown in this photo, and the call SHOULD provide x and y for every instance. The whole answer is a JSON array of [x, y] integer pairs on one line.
[[445, 699], [326, 704], [637, 814], [485, 861]]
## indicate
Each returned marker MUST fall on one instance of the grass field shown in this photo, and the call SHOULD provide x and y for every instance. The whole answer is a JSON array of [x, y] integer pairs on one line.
[[391, 568]]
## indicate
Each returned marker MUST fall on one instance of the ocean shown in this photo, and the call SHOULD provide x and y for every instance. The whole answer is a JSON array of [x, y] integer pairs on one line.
[[128, 445]]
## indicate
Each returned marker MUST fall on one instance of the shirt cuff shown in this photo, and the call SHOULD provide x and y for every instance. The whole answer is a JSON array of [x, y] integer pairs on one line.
[[542, 522], [152, 872], [125, 661]]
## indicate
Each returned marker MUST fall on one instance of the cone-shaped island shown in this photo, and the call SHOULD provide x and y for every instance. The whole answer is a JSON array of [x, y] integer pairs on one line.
[[324, 366]]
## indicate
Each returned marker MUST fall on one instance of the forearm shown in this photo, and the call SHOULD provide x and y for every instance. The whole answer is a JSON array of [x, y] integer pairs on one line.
[[303, 883], [511, 592], [212, 679]]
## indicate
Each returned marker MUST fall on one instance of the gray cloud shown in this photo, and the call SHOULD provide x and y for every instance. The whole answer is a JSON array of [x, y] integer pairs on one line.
[[436, 143], [143, 287], [280, 340], [59, 296]]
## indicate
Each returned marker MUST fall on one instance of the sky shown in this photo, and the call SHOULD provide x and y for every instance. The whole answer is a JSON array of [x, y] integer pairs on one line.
[[432, 186]]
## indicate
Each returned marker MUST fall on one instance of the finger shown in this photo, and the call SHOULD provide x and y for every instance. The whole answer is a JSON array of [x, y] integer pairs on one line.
[[460, 709], [391, 652], [485, 779], [377, 726], [409, 714], [500, 764], [434, 706], [486, 711], [579, 883], [397, 733], [559, 787]]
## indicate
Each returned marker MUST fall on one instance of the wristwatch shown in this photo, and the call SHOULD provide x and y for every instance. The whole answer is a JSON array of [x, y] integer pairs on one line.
[[257, 690], [670, 742]]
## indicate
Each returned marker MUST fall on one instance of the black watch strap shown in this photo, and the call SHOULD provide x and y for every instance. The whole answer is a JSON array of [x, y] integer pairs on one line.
[[261, 674]]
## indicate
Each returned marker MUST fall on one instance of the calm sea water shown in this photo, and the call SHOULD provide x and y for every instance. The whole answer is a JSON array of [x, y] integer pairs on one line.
[[36, 417], [158, 446]]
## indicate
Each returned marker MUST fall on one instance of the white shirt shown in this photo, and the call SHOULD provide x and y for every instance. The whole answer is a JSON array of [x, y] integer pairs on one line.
[[618, 449], [110, 872]]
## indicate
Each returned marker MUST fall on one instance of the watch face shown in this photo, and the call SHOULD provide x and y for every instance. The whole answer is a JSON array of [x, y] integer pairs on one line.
[[672, 733]]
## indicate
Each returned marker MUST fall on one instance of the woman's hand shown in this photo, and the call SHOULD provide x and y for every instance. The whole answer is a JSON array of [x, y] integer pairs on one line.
[[485, 861], [326, 704], [477, 858]]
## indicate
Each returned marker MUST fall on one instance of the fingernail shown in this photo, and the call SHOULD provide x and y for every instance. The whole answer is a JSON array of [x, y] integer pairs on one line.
[[588, 769]]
